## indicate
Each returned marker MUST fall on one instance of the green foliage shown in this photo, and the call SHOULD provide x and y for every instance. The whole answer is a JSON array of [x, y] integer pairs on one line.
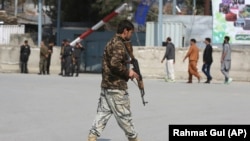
[[105, 7], [199, 6], [153, 13], [219, 30]]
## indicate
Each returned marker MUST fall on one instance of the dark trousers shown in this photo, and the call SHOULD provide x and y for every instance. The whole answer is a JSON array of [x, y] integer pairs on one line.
[[43, 65], [48, 64], [206, 70], [76, 67], [24, 63], [67, 65], [24, 68], [62, 67]]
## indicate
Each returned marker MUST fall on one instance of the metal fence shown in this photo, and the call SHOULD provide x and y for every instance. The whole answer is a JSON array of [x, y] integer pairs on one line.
[[7, 30], [175, 30], [95, 43]]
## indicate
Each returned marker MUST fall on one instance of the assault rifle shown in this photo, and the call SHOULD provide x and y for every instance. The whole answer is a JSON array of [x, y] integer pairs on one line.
[[136, 68]]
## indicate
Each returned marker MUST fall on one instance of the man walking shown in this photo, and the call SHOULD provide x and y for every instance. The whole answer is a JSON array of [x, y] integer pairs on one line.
[[24, 56], [114, 98], [193, 56], [226, 60], [170, 57], [207, 59]]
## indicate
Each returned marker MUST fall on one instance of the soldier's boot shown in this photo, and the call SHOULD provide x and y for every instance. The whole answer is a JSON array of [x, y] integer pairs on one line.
[[134, 139], [92, 137]]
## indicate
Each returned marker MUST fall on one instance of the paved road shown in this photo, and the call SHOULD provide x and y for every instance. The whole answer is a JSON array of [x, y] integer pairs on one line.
[[55, 108]]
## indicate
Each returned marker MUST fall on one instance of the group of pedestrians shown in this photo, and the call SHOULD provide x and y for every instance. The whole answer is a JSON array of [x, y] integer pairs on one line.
[[193, 57], [70, 58]]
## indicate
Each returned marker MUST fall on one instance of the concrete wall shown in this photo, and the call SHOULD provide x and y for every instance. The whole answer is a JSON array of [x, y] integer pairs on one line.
[[9, 59], [150, 65], [149, 60]]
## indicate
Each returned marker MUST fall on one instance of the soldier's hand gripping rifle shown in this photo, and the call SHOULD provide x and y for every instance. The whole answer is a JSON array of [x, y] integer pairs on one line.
[[136, 68]]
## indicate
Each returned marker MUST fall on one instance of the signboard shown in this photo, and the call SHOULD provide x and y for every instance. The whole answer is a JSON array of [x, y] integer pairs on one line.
[[231, 18]]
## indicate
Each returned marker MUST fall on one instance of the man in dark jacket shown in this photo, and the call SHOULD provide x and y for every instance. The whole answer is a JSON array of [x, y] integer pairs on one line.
[[24, 56], [207, 59], [77, 59], [67, 57], [170, 57]]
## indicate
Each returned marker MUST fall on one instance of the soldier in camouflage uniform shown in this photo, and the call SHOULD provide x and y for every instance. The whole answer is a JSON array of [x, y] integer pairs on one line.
[[61, 57], [43, 58], [114, 98], [67, 57]]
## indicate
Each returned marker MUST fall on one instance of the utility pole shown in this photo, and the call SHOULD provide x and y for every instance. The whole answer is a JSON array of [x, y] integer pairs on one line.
[[174, 7], [15, 13], [39, 22], [194, 7], [207, 5], [58, 27], [160, 23]]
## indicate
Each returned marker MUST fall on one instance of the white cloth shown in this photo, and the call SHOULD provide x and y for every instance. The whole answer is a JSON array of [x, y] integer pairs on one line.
[[170, 69]]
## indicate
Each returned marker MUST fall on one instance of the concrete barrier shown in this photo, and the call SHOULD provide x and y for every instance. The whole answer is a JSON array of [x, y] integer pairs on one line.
[[151, 66], [149, 60], [10, 55]]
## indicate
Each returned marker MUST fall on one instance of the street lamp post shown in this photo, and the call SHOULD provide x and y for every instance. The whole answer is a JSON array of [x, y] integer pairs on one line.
[[160, 23], [58, 27], [174, 7], [15, 13], [39, 22], [194, 7]]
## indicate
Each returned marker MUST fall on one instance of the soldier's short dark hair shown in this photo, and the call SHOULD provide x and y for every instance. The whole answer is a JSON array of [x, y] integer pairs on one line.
[[208, 39], [124, 24], [193, 40], [26, 41]]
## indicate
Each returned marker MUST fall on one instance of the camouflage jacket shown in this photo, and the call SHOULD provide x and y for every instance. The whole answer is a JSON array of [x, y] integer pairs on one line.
[[115, 69], [43, 52]]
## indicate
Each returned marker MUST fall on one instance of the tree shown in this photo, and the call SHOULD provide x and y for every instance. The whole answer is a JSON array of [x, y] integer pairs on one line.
[[153, 13], [200, 6], [105, 7]]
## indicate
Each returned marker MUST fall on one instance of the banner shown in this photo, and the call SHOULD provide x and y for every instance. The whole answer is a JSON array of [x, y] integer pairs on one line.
[[231, 18], [142, 11]]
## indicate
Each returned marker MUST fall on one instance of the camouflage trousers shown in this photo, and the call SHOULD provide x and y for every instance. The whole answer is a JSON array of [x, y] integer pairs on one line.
[[117, 103]]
